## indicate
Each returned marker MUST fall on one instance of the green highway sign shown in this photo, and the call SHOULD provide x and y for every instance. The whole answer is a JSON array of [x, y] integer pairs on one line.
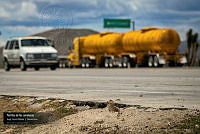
[[117, 23]]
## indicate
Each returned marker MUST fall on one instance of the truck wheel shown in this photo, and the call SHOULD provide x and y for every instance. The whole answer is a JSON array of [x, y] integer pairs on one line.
[[83, 62], [120, 65], [150, 61], [6, 66], [82, 65], [106, 64], [62, 65], [23, 66], [155, 61], [110, 65], [87, 65], [53, 67], [36, 68], [125, 62]]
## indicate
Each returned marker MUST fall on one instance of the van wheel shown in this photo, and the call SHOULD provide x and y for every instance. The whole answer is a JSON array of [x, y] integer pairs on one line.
[[6, 66], [23, 66], [53, 67], [36, 68]]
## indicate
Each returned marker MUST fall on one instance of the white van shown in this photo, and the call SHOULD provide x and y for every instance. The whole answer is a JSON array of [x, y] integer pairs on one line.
[[29, 51]]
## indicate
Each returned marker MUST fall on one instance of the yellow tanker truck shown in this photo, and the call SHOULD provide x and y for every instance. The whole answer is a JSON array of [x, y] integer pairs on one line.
[[150, 47]]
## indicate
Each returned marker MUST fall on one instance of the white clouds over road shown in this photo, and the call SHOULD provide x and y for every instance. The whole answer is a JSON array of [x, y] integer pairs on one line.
[[26, 17]]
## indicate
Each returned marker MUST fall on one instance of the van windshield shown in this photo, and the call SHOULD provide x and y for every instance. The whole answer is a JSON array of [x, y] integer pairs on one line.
[[34, 42]]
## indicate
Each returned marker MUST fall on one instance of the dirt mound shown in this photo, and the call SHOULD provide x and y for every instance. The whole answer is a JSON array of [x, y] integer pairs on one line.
[[130, 121], [63, 38]]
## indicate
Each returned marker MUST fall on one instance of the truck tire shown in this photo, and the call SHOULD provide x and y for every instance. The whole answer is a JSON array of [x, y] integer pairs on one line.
[[106, 63], [150, 61], [83, 65], [110, 65], [155, 61], [125, 62], [62, 64], [124, 65], [6, 66], [23, 66], [87, 65], [120, 65]]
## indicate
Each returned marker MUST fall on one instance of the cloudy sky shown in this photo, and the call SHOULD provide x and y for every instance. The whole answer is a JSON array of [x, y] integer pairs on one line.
[[26, 17]]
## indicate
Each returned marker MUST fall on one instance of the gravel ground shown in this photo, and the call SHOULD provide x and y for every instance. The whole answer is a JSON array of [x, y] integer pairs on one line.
[[74, 117], [131, 120]]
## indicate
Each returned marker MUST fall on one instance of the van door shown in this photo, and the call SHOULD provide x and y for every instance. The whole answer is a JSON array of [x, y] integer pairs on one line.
[[10, 52], [5, 51], [16, 55]]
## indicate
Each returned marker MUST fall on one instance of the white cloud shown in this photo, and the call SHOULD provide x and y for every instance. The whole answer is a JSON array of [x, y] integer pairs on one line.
[[18, 10], [185, 13], [182, 29], [82, 15], [3, 13], [28, 9], [90, 13], [27, 30]]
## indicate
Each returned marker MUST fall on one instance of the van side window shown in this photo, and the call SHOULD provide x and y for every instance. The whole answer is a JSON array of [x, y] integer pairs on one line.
[[7, 45], [11, 45], [16, 45]]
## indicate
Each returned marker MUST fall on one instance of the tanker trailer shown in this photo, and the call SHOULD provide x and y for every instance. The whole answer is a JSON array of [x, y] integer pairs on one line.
[[150, 47], [154, 47], [104, 49]]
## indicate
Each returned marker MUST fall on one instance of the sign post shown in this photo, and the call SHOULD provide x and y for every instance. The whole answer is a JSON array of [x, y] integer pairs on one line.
[[133, 23]]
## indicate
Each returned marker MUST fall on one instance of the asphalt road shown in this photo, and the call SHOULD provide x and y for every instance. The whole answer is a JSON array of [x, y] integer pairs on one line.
[[164, 87]]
